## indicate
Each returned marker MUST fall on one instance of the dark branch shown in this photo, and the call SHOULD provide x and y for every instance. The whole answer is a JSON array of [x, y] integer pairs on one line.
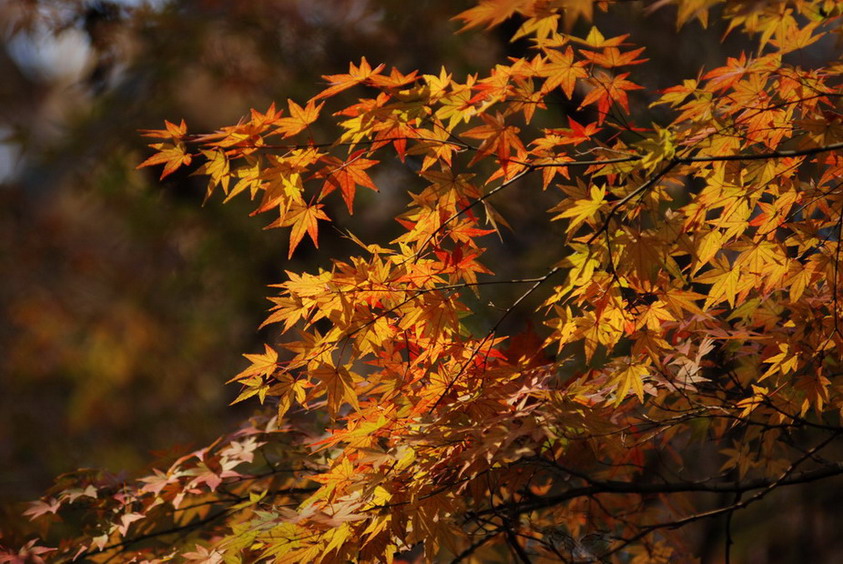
[[618, 487]]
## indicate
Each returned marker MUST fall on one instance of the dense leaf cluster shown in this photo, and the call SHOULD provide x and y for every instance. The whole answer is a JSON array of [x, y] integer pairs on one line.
[[692, 303]]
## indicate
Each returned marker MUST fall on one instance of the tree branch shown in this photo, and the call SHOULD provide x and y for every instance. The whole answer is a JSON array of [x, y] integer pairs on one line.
[[619, 487]]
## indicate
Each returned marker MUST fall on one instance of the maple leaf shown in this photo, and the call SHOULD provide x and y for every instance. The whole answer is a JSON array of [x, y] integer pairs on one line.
[[261, 120], [608, 90], [490, 13], [435, 145], [264, 364], [658, 149], [300, 118], [346, 175], [611, 57], [498, 138], [631, 378], [675, 95], [126, 520], [748, 405], [583, 209], [38, 508], [217, 168], [455, 106], [171, 156], [722, 78], [398, 133], [304, 219], [339, 386], [726, 283], [541, 27], [574, 135], [394, 79], [562, 71], [287, 390], [357, 74], [792, 37], [784, 362], [156, 483], [204, 554], [32, 551], [172, 131], [596, 40]]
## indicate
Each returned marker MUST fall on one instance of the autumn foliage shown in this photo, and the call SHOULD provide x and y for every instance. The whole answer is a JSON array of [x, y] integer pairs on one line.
[[685, 343]]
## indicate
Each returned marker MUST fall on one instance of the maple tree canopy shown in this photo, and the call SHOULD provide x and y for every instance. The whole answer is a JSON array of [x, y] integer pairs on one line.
[[685, 342]]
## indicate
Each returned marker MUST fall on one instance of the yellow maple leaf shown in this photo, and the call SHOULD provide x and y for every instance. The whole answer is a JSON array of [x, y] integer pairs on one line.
[[583, 209]]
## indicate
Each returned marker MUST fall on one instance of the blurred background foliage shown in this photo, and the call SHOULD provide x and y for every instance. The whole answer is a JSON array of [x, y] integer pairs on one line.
[[125, 304]]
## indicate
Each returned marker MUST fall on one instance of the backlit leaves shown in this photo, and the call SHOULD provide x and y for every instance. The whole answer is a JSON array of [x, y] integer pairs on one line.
[[346, 176], [562, 71], [690, 295], [357, 74]]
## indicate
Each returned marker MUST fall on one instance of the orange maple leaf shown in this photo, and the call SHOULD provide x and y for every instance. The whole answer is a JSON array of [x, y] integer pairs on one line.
[[489, 13], [498, 138], [723, 77], [300, 118], [607, 91], [171, 156], [303, 218], [172, 131], [596, 40], [347, 175], [356, 75], [612, 57], [562, 70]]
